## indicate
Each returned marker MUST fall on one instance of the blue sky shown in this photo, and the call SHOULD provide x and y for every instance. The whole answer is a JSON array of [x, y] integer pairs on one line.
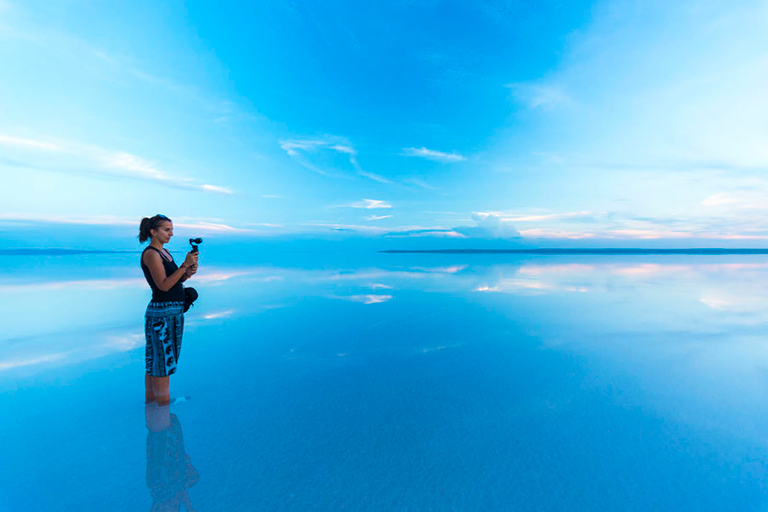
[[547, 123]]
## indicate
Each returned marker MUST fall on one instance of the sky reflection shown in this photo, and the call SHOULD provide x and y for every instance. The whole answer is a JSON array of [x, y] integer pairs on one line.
[[562, 376], [698, 295]]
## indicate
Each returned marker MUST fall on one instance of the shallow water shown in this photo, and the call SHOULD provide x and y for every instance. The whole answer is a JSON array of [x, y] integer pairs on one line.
[[391, 382]]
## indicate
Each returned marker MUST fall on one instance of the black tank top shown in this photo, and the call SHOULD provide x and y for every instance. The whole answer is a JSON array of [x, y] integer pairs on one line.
[[176, 293]]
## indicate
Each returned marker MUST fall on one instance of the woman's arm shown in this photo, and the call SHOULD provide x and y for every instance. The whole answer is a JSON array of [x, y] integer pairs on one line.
[[189, 273], [154, 262]]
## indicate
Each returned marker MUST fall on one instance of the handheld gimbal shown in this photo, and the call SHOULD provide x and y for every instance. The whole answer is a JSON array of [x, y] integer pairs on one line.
[[194, 242]]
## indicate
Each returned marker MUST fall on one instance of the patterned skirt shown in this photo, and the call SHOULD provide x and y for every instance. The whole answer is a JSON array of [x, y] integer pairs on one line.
[[163, 329]]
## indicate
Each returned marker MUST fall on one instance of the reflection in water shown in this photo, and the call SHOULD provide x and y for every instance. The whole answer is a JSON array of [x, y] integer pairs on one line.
[[729, 291], [169, 469]]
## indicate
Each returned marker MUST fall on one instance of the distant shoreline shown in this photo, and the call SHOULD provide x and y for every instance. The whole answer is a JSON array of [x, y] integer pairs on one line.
[[713, 252]]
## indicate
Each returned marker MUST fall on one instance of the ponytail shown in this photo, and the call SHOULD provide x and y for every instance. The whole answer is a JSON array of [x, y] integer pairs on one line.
[[148, 224]]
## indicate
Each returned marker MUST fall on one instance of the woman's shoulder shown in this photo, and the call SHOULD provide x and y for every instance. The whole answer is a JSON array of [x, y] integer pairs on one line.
[[150, 254]]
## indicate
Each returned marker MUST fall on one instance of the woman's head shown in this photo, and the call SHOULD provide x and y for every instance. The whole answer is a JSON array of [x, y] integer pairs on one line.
[[158, 226]]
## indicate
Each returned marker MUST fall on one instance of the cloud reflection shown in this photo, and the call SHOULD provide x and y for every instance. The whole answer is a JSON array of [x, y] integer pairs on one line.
[[734, 288]]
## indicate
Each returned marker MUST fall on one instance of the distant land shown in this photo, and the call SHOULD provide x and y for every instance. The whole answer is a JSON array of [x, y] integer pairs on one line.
[[615, 251]]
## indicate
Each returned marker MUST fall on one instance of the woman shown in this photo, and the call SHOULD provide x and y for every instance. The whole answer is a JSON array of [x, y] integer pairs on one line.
[[164, 319]]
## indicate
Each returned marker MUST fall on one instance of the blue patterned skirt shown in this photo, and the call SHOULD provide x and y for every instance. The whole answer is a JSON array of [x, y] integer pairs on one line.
[[163, 329]]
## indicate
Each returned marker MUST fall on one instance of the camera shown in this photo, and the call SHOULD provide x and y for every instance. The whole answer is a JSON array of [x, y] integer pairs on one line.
[[194, 242]]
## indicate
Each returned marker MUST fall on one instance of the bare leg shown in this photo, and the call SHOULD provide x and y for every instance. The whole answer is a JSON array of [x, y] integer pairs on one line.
[[160, 387], [149, 393]]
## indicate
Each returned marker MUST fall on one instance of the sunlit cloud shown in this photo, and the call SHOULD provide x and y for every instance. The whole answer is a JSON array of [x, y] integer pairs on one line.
[[432, 154], [377, 217]]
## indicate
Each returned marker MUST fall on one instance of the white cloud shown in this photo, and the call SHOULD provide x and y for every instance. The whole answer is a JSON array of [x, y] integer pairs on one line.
[[308, 151], [426, 232], [370, 298], [92, 220], [370, 204], [295, 147], [7, 140], [419, 183], [373, 176], [377, 217], [110, 220], [550, 216], [216, 189], [431, 154], [73, 157], [489, 225], [748, 200]]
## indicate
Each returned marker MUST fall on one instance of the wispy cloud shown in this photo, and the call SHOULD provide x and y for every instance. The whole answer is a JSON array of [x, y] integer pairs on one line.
[[369, 204], [374, 177], [297, 147], [73, 157], [216, 189], [205, 226], [432, 154], [19, 142], [306, 151], [369, 298], [550, 216], [538, 95], [378, 217], [746, 200], [425, 233], [419, 183]]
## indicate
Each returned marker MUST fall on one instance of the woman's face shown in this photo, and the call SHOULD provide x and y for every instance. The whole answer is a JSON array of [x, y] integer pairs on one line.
[[163, 233]]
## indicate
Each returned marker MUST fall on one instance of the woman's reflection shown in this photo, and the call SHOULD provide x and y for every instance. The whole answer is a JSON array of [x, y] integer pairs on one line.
[[169, 470]]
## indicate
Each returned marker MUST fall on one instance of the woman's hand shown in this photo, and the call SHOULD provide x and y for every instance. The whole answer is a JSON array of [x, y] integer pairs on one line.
[[190, 260], [191, 271]]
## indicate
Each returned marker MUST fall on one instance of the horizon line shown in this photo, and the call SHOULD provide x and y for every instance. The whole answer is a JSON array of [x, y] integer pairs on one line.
[[607, 250]]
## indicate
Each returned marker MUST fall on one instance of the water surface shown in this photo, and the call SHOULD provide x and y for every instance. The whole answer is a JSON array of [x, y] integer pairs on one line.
[[391, 382]]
